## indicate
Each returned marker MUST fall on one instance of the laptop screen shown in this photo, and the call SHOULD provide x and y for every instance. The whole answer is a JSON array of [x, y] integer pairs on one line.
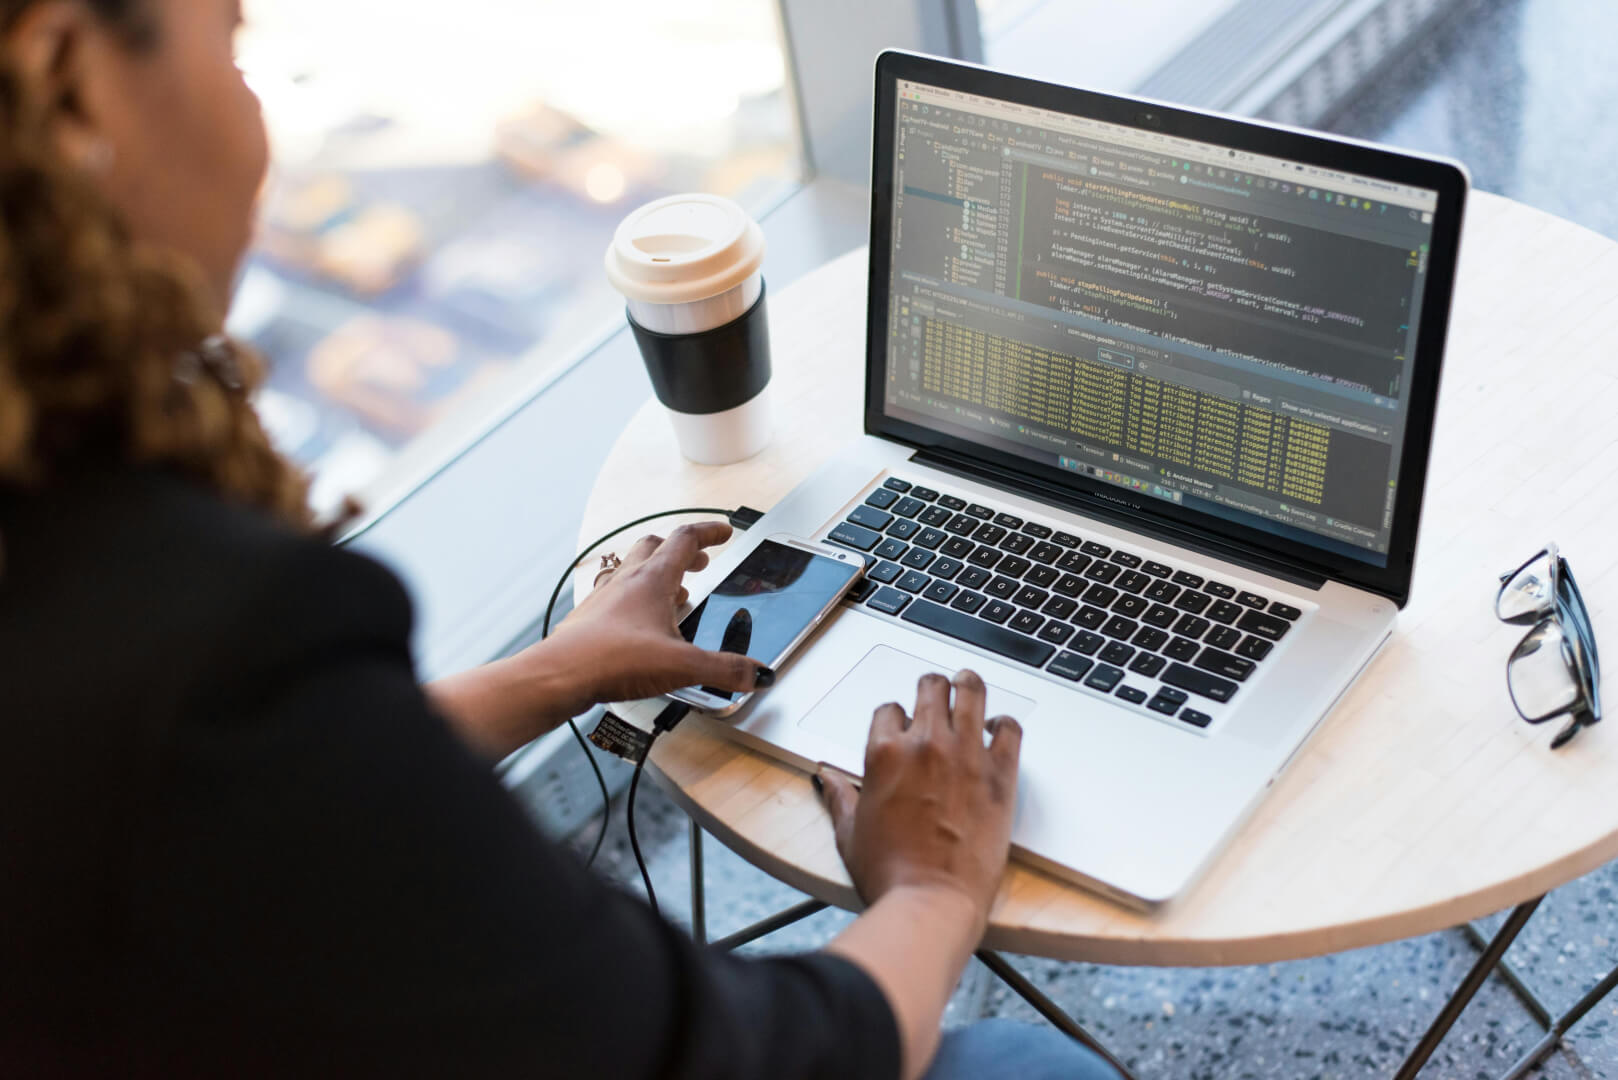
[[1228, 332]]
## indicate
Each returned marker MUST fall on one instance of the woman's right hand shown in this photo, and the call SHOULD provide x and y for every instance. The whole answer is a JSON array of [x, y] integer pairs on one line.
[[936, 805]]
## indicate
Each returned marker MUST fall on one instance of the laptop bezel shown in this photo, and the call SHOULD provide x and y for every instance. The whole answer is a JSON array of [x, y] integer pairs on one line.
[[1448, 178]]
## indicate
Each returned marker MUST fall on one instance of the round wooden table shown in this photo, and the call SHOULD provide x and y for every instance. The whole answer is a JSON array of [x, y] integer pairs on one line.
[[1424, 801]]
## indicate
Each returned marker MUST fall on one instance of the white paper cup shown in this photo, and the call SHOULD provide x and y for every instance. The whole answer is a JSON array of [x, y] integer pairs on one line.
[[690, 270]]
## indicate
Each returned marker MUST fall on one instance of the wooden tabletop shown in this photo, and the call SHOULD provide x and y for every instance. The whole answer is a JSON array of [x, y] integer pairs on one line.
[[1424, 801]]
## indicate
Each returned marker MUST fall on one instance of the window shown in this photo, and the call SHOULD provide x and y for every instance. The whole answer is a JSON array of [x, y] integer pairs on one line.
[[445, 181]]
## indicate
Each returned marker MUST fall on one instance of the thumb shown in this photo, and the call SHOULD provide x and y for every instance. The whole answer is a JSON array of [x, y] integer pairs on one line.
[[841, 798], [727, 671]]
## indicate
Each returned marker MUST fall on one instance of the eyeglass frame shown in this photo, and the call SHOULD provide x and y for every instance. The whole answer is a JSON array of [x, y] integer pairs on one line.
[[1565, 608]]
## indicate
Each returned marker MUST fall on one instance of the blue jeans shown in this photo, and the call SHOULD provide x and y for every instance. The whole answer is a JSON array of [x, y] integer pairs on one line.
[[991, 1049]]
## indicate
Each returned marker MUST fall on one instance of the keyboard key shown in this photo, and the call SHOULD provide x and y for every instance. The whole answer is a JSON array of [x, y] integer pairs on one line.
[[924, 494], [958, 547], [888, 600], [984, 556], [950, 502], [1042, 577], [1192, 716], [1156, 569], [1252, 600], [998, 611], [929, 539], [936, 516], [1090, 618], [1100, 595], [1199, 682], [903, 528], [1194, 602], [973, 577], [1223, 663], [1070, 666], [978, 510], [1192, 626], [1055, 632], [1181, 649], [882, 498], [1037, 531], [945, 568], [860, 539], [1060, 607], [885, 572], [1264, 625], [1223, 637], [1163, 592], [1069, 585], [1088, 643], [1095, 550], [1285, 611], [906, 507], [1073, 562], [1219, 589], [1067, 540], [1015, 566], [962, 525], [891, 549], [1174, 694], [871, 517], [914, 581], [1159, 616], [1117, 652], [1045, 552], [1008, 520], [1254, 648], [1103, 572], [1121, 628], [862, 589], [1003, 588], [1132, 694], [1030, 597], [1147, 664], [939, 592], [989, 534], [1104, 677], [1027, 622], [1163, 705], [893, 483], [1132, 606], [1124, 558], [1017, 543], [1150, 637], [918, 558], [968, 602], [1189, 580], [1223, 611], [1132, 581], [974, 631]]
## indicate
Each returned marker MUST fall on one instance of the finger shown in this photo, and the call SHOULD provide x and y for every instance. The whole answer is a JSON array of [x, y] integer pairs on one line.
[[684, 544], [932, 706], [842, 799], [643, 549], [682, 597], [727, 671], [1006, 746], [888, 722], [968, 709]]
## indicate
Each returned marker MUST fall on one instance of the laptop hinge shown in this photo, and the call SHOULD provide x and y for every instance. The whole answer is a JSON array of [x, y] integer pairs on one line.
[[1078, 502]]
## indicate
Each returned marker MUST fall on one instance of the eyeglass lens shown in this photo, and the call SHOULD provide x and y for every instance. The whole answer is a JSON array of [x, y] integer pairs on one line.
[[1528, 593], [1542, 673]]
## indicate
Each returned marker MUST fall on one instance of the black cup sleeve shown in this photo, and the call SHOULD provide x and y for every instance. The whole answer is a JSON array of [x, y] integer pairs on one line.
[[712, 371]]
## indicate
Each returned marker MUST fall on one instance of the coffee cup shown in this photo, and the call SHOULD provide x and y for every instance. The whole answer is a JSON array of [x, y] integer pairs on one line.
[[690, 268]]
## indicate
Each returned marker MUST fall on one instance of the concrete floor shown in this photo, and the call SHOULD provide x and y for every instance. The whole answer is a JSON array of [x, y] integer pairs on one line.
[[1522, 90]]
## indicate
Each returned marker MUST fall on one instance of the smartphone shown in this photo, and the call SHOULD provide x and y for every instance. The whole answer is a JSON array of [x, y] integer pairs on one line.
[[766, 607]]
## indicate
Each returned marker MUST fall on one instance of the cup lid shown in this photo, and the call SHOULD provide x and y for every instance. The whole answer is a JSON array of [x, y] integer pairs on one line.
[[684, 248]]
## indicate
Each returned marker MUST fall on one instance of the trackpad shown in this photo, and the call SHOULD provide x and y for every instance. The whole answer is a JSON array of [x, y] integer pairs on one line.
[[886, 674]]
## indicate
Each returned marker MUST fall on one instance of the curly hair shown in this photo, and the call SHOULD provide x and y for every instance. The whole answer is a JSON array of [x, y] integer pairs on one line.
[[102, 339]]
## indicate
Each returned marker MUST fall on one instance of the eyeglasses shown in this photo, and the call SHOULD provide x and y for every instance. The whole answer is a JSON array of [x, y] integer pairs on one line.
[[1554, 670]]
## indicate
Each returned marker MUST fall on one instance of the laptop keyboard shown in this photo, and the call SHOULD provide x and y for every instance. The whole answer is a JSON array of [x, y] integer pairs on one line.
[[1150, 634]]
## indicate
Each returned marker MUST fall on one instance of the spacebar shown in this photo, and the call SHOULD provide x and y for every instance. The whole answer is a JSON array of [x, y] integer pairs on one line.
[[985, 635]]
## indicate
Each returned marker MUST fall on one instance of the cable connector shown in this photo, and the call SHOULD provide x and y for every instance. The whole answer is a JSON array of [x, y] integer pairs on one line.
[[744, 517], [669, 718]]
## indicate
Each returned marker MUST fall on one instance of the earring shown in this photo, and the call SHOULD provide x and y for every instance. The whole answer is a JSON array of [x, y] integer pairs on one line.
[[98, 156]]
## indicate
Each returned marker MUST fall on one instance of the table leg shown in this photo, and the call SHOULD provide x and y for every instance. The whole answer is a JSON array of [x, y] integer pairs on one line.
[[1469, 987], [699, 907], [1562, 1025], [1530, 1000], [784, 918], [1049, 1009]]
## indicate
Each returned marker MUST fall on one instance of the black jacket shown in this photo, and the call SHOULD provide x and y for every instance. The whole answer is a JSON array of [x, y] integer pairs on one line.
[[235, 839]]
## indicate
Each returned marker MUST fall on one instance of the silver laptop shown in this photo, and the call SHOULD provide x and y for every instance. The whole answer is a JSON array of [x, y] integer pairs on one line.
[[1148, 406]]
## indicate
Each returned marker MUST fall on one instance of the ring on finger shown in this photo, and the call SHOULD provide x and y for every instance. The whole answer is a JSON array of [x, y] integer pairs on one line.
[[609, 562]]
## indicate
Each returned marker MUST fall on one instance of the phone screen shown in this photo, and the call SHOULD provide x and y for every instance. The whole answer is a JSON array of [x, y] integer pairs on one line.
[[766, 602]]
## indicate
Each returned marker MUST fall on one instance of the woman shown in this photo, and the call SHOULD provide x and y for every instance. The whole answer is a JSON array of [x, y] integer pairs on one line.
[[237, 836]]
